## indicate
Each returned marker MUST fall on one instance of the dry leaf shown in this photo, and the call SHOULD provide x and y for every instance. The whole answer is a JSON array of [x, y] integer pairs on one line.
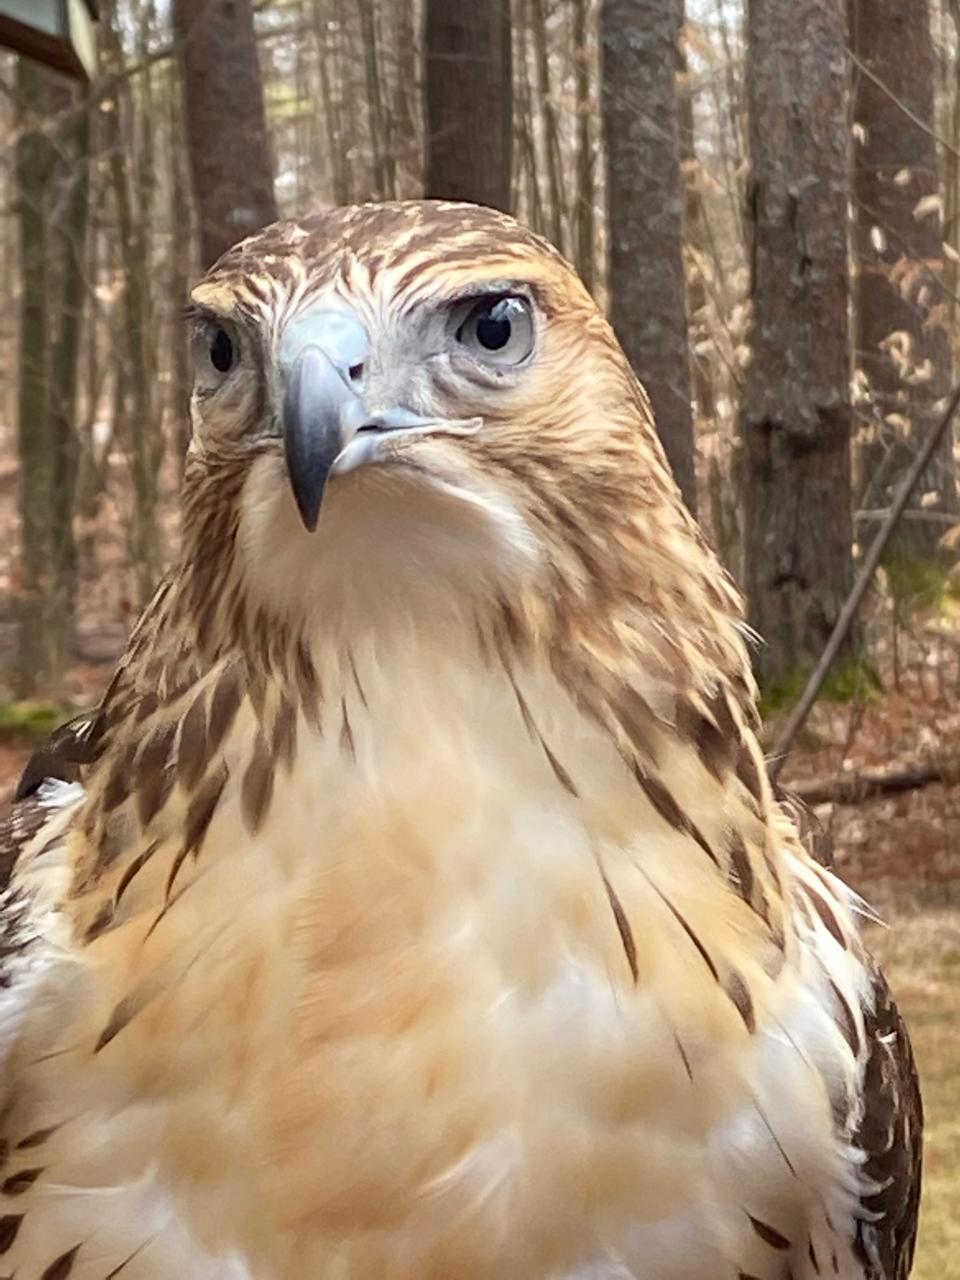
[[929, 204]]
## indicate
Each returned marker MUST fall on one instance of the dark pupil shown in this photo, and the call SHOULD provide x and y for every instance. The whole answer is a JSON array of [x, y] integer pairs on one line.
[[493, 328], [221, 351]]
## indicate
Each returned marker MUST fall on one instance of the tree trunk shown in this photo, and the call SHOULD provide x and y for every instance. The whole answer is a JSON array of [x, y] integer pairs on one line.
[[901, 308], [181, 264], [406, 124], [327, 36], [585, 233], [553, 161], [70, 242], [468, 101], [532, 210], [693, 230], [795, 417], [228, 142], [144, 434], [384, 164], [645, 199], [39, 656]]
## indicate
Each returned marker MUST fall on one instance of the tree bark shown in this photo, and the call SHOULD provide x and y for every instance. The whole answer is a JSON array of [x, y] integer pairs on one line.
[[468, 101], [228, 143], [180, 267], [70, 236], [901, 308], [645, 198], [531, 207], [327, 65], [795, 417], [552, 158], [584, 222], [39, 659], [144, 443], [406, 123], [384, 163]]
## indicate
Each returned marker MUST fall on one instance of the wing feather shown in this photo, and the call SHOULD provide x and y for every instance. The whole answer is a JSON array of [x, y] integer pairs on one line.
[[890, 1134]]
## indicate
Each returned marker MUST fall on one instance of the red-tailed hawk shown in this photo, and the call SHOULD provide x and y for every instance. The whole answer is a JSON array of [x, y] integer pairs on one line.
[[416, 906]]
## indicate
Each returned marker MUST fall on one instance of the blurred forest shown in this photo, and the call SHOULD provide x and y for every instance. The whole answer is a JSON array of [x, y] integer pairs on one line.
[[763, 194]]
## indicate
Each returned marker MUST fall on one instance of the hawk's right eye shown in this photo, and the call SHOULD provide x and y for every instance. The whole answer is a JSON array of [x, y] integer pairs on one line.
[[221, 351], [216, 353]]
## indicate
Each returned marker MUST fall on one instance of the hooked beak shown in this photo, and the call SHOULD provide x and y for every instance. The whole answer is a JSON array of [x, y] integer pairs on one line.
[[328, 428], [321, 413]]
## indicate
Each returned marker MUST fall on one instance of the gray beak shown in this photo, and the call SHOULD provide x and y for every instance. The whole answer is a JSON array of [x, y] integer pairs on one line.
[[322, 357], [318, 406]]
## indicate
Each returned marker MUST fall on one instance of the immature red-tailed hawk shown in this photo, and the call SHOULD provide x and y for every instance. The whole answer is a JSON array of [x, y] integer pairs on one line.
[[417, 907]]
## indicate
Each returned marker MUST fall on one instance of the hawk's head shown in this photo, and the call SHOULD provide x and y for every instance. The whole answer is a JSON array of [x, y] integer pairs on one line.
[[404, 407]]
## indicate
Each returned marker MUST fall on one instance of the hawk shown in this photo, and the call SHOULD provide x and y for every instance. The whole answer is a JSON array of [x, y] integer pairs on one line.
[[415, 906]]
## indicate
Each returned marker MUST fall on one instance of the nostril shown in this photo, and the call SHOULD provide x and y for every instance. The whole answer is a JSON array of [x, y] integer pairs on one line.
[[355, 372]]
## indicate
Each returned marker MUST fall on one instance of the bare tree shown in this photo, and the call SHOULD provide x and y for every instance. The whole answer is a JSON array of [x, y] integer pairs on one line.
[[901, 307], [35, 159], [132, 205], [645, 197], [552, 157], [228, 141], [795, 419], [69, 229], [585, 229], [180, 269], [468, 101], [384, 163]]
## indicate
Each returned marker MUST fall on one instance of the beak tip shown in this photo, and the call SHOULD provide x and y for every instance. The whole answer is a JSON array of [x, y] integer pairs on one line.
[[308, 504]]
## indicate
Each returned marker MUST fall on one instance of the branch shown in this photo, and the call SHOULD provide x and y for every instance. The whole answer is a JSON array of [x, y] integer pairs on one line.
[[798, 716], [900, 104], [856, 787], [915, 513]]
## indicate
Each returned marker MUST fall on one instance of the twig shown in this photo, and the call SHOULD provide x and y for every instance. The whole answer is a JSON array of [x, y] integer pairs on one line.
[[915, 513], [798, 715], [854, 788], [900, 104]]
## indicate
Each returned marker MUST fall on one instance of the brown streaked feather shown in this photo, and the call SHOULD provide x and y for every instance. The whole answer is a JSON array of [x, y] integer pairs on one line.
[[61, 1268], [624, 930], [192, 751], [891, 1136], [154, 775], [257, 786], [201, 810], [739, 993]]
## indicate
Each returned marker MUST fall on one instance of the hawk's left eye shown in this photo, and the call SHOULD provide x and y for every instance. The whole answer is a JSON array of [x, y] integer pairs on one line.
[[498, 330], [221, 351]]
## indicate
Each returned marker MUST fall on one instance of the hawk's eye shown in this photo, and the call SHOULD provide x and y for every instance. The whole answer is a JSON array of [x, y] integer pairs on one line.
[[216, 353], [498, 330], [221, 351]]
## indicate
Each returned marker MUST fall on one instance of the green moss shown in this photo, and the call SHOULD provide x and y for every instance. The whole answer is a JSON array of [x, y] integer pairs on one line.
[[918, 583], [30, 721], [854, 679], [780, 694]]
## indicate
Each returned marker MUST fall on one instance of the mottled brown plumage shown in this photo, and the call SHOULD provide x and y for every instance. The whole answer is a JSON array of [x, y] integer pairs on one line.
[[425, 910]]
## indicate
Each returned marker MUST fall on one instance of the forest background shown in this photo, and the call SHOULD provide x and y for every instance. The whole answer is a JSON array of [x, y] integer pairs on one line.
[[763, 194]]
